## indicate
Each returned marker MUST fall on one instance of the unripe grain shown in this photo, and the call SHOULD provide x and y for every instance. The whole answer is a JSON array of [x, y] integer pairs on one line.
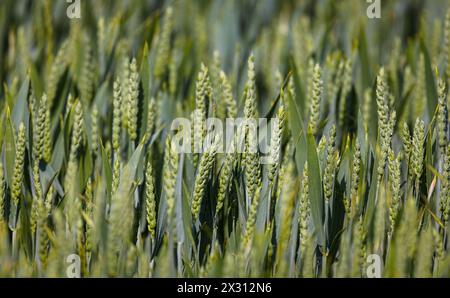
[[132, 100], [317, 86], [18, 165], [150, 199]]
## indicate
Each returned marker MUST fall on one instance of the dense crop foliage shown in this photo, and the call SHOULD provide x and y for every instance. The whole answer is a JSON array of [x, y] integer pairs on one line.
[[90, 179]]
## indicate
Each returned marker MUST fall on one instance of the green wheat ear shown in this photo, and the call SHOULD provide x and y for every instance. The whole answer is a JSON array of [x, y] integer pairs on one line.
[[405, 136], [89, 209], [360, 249], [442, 122], [275, 142], [367, 100], [151, 116], [405, 241], [163, 49], [18, 165], [57, 69], [331, 164], [88, 69], [231, 108], [250, 108], [95, 128], [117, 96], [170, 172], [287, 209], [205, 166], [424, 259], [132, 100], [39, 131], [346, 87], [173, 74], [394, 164], [316, 95], [418, 150], [47, 154], [77, 131], [445, 188], [227, 171], [249, 234], [251, 157], [202, 91], [73, 206], [150, 199], [43, 229], [383, 121], [123, 79], [304, 209], [37, 198], [353, 203], [116, 173], [2, 193]]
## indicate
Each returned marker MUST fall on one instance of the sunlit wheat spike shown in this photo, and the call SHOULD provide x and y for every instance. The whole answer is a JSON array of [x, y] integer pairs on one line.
[[316, 95], [304, 209], [205, 165], [250, 107], [18, 165], [353, 202], [394, 164], [132, 100], [2, 193], [150, 199], [231, 108], [163, 49], [95, 129], [116, 114], [275, 142], [442, 116], [170, 172], [418, 150]]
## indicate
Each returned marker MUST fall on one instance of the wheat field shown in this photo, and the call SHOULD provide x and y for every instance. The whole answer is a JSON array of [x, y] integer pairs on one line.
[[92, 181]]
